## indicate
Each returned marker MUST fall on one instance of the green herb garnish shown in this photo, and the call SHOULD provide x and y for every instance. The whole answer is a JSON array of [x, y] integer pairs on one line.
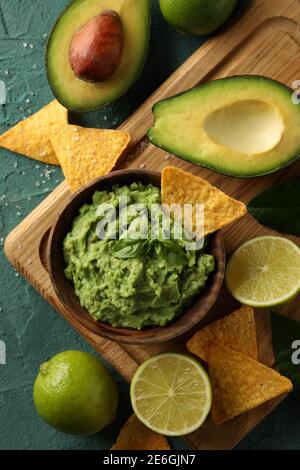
[[132, 248]]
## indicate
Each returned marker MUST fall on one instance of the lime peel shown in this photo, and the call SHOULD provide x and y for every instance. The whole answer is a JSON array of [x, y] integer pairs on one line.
[[75, 393]]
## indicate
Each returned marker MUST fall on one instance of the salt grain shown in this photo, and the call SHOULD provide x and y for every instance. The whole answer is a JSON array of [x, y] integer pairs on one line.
[[48, 173]]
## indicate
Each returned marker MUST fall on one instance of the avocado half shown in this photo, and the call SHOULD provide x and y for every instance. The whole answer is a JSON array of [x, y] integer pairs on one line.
[[243, 126], [77, 94]]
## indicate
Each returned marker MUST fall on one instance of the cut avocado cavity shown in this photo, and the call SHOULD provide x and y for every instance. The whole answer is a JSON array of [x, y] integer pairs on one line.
[[245, 126], [122, 44], [242, 126]]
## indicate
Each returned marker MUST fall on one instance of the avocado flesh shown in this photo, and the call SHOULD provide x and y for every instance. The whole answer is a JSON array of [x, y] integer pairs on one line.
[[241, 126], [79, 95]]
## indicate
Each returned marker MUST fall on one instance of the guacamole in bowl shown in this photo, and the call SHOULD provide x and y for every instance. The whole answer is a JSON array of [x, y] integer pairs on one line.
[[131, 281]]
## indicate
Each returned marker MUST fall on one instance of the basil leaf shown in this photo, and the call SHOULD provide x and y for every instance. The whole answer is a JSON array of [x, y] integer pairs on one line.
[[128, 248], [150, 244], [168, 249], [284, 333], [172, 246], [172, 252], [279, 207]]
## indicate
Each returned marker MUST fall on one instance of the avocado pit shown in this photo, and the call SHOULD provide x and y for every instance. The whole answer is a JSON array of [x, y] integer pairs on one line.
[[96, 48]]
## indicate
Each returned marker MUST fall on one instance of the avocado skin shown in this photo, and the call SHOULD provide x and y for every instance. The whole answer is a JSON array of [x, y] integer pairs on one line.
[[191, 159], [104, 103]]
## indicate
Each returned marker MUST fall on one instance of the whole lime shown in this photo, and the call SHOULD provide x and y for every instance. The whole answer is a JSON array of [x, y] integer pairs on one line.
[[75, 393], [198, 17]]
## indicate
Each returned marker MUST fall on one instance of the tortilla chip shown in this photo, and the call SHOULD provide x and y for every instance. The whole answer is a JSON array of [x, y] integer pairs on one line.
[[237, 331], [136, 436], [240, 383], [31, 136], [85, 154], [180, 187]]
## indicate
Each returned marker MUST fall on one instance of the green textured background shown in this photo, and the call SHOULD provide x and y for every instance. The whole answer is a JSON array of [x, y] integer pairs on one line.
[[32, 330]]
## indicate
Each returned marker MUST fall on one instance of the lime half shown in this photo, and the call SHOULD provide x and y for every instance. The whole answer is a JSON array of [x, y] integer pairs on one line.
[[264, 272], [171, 394]]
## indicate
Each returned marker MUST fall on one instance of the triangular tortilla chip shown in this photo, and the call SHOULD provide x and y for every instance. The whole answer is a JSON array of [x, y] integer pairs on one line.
[[240, 383], [136, 436], [31, 136], [180, 187], [85, 154], [237, 331]]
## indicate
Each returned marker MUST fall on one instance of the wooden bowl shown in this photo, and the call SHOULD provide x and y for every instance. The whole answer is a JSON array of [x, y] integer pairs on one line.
[[65, 290]]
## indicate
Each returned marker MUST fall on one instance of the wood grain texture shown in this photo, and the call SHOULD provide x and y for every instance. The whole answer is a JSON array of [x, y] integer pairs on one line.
[[264, 41]]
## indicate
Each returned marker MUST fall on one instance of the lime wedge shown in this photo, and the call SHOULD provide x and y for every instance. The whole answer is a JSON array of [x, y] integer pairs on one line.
[[264, 272], [171, 394]]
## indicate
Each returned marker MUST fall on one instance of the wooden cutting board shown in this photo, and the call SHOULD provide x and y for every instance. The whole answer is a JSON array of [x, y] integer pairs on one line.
[[264, 40]]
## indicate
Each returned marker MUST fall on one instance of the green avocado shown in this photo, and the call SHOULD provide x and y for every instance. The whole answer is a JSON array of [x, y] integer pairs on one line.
[[241, 126], [80, 95]]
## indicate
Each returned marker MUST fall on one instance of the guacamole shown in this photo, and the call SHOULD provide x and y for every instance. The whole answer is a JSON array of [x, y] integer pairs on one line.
[[126, 283]]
